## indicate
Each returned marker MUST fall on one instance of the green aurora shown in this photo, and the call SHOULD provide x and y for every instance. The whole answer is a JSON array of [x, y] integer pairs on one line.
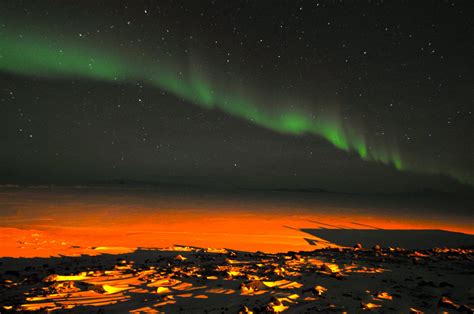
[[32, 55]]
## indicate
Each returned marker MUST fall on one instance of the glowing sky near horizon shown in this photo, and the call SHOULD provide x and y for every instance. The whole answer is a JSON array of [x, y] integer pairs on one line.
[[31, 55]]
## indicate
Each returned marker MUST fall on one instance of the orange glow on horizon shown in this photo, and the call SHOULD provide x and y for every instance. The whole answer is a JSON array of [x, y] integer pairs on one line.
[[48, 228], [239, 231]]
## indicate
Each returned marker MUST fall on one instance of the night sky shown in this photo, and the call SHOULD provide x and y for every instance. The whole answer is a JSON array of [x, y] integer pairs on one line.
[[373, 96]]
